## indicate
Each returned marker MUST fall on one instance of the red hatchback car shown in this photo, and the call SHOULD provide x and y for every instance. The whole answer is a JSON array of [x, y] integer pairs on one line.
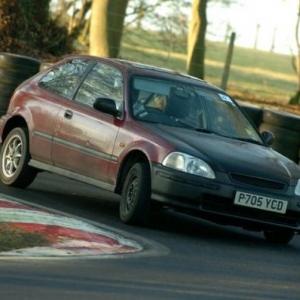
[[153, 136]]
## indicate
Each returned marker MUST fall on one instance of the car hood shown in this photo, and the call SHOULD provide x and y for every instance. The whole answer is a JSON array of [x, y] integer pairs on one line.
[[230, 155]]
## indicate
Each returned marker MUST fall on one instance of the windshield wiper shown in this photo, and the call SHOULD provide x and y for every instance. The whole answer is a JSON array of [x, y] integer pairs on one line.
[[229, 137], [205, 130], [200, 129], [247, 140]]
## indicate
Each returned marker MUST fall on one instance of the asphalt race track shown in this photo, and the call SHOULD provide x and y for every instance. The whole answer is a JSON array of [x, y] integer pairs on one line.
[[182, 257]]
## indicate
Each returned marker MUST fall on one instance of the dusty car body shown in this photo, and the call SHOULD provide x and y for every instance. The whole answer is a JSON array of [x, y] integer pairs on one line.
[[153, 136]]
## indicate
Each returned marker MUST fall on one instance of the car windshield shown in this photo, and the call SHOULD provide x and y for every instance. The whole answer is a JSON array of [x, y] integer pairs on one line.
[[190, 106]]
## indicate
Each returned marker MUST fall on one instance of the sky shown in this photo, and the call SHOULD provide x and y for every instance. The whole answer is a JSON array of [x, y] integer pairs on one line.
[[267, 20]]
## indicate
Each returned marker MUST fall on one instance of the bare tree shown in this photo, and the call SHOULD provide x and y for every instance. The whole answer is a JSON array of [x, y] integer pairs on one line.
[[75, 16], [139, 10], [106, 27]]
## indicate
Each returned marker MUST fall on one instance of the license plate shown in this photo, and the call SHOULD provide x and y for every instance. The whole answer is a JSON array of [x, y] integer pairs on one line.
[[260, 202]]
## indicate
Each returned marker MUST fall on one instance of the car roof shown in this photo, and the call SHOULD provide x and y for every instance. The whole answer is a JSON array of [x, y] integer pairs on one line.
[[137, 67]]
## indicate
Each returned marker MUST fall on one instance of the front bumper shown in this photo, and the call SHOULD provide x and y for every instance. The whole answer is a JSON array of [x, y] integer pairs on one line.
[[214, 200]]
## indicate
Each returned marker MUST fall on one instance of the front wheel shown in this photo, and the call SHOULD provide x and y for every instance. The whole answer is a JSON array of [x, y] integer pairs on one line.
[[135, 198], [279, 236], [14, 159]]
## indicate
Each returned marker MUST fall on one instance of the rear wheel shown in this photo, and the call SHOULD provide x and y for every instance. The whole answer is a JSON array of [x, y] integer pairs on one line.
[[14, 159], [135, 199], [279, 236]]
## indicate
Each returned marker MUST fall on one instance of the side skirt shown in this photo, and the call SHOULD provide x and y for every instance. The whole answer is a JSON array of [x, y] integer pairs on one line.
[[49, 168]]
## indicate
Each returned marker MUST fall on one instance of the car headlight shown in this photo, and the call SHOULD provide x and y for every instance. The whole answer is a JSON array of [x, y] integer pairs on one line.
[[297, 188], [188, 164]]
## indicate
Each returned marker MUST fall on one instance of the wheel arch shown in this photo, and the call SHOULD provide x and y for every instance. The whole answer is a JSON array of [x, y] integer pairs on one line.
[[12, 123], [128, 161]]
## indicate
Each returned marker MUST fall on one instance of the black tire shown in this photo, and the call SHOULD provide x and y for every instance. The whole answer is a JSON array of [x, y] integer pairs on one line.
[[14, 157], [9, 76], [279, 236], [135, 198], [282, 119], [14, 69], [6, 90], [2, 112], [282, 134], [9, 59], [286, 142], [291, 153]]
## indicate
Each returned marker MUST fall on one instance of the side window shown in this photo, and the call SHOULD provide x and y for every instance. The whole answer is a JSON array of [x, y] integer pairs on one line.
[[64, 79], [103, 81]]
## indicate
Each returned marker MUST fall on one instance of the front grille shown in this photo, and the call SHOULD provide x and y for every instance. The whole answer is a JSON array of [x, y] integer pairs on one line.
[[257, 182]]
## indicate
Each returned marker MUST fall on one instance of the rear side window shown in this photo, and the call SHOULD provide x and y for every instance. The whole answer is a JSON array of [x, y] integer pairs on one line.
[[64, 79], [102, 81]]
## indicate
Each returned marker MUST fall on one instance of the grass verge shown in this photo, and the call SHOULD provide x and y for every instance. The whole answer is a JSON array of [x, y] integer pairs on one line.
[[12, 238]]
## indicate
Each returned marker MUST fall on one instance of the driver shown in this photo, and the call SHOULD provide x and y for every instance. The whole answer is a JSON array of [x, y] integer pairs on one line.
[[158, 101]]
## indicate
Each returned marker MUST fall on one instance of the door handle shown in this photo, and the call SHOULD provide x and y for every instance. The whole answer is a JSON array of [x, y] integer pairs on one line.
[[68, 114]]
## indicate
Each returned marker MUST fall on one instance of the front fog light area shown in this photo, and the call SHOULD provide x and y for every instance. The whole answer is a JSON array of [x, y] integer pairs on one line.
[[188, 164]]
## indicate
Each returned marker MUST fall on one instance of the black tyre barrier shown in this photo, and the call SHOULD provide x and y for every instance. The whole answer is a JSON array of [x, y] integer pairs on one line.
[[6, 89], [281, 119], [287, 141], [290, 152], [14, 69], [255, 113]]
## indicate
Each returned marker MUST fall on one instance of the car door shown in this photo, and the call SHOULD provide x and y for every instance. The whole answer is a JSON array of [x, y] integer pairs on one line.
[[54, 89], [84, 137]]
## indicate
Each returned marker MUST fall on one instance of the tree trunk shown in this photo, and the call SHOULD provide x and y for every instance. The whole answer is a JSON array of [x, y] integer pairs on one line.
[[196, 39], [106, 29]]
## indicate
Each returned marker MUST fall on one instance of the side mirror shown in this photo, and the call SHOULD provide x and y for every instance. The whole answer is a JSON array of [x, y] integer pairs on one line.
[[107, 106], [268, 137]]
